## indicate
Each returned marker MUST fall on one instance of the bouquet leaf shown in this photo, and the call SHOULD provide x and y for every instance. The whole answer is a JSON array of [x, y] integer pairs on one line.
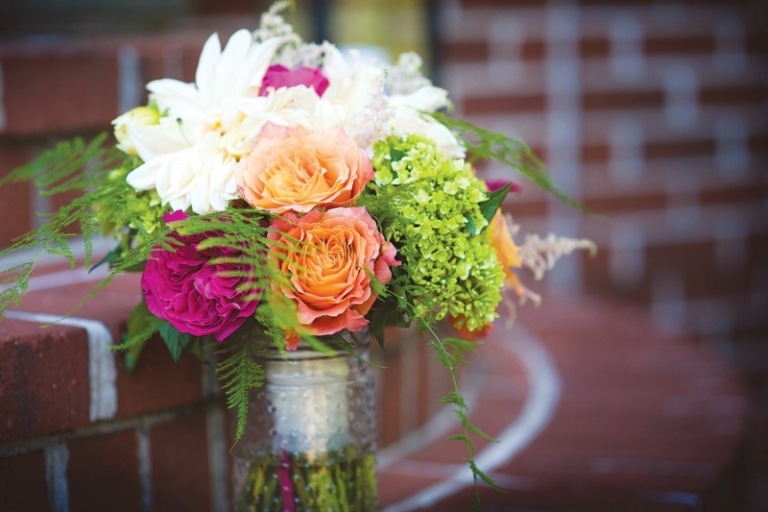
[[174, 340], [141, 326], [490, 206]]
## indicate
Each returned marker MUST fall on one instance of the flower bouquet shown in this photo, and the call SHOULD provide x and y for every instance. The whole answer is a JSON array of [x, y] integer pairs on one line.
[[292, 200]]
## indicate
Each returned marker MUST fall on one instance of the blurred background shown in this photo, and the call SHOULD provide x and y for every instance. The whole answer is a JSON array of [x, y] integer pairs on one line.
[[653, 114]]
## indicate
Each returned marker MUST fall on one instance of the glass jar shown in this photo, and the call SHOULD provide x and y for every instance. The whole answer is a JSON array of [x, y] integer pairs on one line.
[[310, 440]]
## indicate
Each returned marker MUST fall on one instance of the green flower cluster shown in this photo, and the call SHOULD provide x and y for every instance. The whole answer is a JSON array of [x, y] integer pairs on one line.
[[439, 231], [140, 211]]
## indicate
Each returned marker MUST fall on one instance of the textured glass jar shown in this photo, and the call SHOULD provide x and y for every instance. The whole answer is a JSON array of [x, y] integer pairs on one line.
[[310, 440]]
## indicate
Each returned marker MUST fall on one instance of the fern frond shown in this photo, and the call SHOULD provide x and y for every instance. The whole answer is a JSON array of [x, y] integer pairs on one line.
[[239, 373], [74, 165], [450, 352], [484, 144]]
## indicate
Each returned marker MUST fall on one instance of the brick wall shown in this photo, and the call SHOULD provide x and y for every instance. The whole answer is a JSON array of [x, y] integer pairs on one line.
[[651, 113], [77, 432]]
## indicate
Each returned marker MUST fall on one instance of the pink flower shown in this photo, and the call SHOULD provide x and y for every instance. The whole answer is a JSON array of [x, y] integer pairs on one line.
[[184, 288], [329, 259], [278, 76], [293, 169], [494, 185]]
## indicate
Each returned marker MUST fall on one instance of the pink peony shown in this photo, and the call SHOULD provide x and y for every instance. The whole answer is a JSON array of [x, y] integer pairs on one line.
[[278, 76], [184, 288], [330, 258]]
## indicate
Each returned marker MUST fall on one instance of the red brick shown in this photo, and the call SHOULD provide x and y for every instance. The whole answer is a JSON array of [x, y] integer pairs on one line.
[[161, 55], [59, 89], [748, 193], [679, 148], [22, 482], [103, 473], [533, 50], [16, 199], [43, 379], [180, 474], [157, 383], [677, 45], [521, 208], [733, 95], [388, 393], [595, 153], [465, 51], [694, 260], [496, 104], [190, 58], [622, 100], [137, 392], [594, 48], [620, 204], [426, 379]]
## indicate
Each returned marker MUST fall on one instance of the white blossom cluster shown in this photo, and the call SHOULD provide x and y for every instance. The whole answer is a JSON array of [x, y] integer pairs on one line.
[[202, 129]]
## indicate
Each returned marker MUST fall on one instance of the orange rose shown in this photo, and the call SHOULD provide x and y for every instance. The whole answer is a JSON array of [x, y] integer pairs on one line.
[[329, 258], [293, 169]]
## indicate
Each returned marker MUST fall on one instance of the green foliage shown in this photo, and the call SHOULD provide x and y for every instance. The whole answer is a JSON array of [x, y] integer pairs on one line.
[[239, 373], [490, 206], [451, 353], [175, 341], [488, 145], [73, 165], [141, 326], [447, 268]]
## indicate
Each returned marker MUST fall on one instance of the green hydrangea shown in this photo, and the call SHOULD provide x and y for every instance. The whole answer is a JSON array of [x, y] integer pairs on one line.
[[439, 230], [141, 211]]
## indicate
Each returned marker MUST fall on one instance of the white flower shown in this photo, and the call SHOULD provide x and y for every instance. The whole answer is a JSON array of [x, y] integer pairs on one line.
[[196, 117], [409, 116], [413, 97], [198, 176], [209, 125], [139, 116]]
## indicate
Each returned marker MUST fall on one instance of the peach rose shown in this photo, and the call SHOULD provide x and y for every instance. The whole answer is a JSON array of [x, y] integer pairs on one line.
[[294, 169], [330, 257]]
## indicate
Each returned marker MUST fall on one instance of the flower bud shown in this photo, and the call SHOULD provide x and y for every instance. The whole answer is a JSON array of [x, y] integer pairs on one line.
[[139, 116]]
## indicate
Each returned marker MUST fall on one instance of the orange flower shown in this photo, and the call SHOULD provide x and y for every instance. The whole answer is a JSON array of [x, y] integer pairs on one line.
[[293, 169], [460, 326], [507, 251], [329, 259]]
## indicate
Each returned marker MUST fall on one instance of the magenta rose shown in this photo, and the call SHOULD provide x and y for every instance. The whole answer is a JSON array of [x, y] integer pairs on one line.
[[278, 76], [195, 296]]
